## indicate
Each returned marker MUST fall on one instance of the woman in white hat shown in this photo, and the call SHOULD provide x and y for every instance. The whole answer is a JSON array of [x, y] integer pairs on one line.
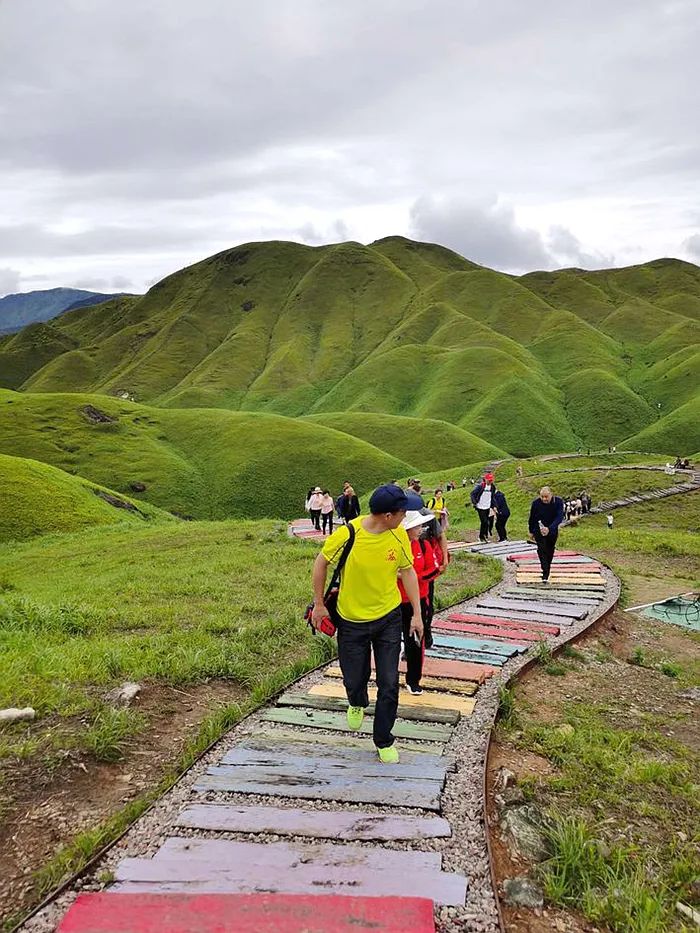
[[315, 506], [414, 649]]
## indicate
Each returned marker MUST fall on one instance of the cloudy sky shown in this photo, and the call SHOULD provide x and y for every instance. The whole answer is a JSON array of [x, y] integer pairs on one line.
[[139, 136]]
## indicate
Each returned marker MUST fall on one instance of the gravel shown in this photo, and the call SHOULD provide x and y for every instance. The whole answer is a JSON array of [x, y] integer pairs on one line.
[[462, 800]]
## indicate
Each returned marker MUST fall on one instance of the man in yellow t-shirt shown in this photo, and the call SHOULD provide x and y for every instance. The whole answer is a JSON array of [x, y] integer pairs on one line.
[[369, 609]]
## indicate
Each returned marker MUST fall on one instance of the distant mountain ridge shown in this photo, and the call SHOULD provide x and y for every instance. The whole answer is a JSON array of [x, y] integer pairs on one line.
[[548, 361], [23, 308]]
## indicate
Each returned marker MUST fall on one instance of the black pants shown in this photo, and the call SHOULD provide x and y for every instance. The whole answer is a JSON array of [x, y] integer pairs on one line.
[[315, 518], [327, 519], [428, 620], [356, 642], [545, 552], [486, 527], [501, 521], [414, 652]]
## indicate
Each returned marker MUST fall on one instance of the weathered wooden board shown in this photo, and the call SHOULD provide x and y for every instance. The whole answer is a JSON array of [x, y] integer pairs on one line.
[[528, 625], [595, 589], [573, 570], [535, 606], [505, 648], [244, 760], [349, 825], [110, 912], [275, 734], [547, 593], [360, 750], [533, 550], [435, 700], [467, 670], [517, 616], [494, 631], [477, 657], [415, 713], [556, 578], [387, 791], [574, 559], [462, 687], [320, 719], [332, 869]]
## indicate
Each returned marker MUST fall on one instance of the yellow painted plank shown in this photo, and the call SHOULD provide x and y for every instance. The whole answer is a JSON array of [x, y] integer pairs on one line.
[[463, 705]]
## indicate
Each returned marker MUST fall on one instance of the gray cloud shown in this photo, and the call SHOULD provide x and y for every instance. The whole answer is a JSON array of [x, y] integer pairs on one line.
[[173, 129], [692, 246], [9, 281]]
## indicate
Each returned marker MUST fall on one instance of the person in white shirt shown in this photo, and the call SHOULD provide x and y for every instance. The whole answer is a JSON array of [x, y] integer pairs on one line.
[[315, 506], [482, 500]]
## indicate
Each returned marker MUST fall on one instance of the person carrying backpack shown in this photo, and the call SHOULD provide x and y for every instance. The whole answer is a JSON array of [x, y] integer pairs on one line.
[[368, 618], [437, 505], [502, 513], [482, 499]]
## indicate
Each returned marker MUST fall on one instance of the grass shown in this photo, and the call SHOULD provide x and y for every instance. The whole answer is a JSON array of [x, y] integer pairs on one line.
[[394, 328], [109, 732]]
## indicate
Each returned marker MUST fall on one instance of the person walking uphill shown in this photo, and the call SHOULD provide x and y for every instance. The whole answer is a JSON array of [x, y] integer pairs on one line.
[[502, 513], [369, 614], [315, 504], [482, 500], [424, 565], [546, 514]]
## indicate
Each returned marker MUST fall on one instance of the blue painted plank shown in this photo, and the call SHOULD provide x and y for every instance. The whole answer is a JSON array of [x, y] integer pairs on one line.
[[454, 654], [506, 648]]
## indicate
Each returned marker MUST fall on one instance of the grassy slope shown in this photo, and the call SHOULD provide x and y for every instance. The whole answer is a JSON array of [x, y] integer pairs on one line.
[[41, 499], [427, 444], [199, 463], [677, 431], [396, 327]]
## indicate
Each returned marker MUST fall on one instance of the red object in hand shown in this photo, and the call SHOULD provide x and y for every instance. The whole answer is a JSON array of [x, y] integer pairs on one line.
[[327, 626]]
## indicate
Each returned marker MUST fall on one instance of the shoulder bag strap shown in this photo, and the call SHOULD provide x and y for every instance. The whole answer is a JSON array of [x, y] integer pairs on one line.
[[335, 579]]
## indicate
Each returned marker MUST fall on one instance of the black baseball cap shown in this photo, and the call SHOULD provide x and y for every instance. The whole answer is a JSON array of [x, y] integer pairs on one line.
[[388, 498]]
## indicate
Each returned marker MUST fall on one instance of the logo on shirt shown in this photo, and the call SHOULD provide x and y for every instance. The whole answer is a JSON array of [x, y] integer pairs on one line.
[[391, 555]]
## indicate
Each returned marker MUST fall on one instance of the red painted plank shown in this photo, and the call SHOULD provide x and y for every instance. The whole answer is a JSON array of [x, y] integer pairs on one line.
[[459, 670], [493, 631], [504, 620], [108, 912], [560, 568]]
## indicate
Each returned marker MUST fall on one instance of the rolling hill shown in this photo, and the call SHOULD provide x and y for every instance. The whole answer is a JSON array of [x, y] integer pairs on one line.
[[17, 311], [276, 365]]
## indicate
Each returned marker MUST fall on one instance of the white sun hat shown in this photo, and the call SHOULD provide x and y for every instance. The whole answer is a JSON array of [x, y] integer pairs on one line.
[[416, 518]]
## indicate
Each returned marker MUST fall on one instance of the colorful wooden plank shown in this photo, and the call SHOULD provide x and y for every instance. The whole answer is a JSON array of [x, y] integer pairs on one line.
[[271, 733], [535, 606], [415, 713], [456, 654], [573, 570], [225, 852], [320, 719], [534, 551], [558, 578], [518, 616], [574, 559], [547, 593], [359, 750], [493, 631], [462, 687], [388, 791], [110, 912], [364, 765], [529, 625], [348, 825], [507, 649], [435, 700], [298, 870]]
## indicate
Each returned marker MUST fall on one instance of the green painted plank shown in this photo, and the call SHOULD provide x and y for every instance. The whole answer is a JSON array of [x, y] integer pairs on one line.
[[267, 735], [320, 719]]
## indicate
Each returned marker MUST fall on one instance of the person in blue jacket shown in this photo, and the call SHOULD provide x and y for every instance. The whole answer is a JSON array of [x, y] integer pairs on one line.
[[546, 514], [500, 506]]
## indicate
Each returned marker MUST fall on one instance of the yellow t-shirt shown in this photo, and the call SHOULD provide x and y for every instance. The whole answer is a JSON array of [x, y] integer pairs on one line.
[[368, 587]]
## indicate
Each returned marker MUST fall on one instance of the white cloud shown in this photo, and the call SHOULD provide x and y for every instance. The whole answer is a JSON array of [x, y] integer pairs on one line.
[[9, 281]]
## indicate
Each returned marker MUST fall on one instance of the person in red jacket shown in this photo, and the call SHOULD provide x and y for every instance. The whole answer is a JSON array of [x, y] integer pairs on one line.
[[433, 537], [423, 564]]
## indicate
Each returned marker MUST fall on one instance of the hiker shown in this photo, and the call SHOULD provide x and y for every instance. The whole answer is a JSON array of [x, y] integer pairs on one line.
[[369, 615], [415, 499], [501, 514], [349, 504], [585, 502], [464, 482], [611, 520], [437, 505], [327, 506], [434, 536], [482, 500], [315, 501], [424, 566], [339, 502], [546, 514]]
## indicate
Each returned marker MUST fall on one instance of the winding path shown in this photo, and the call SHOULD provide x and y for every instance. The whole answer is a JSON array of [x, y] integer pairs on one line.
[[291, 824]]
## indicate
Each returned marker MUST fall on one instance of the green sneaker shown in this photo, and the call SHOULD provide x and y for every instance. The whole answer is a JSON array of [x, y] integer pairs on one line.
[[388, 756], [355, 716]]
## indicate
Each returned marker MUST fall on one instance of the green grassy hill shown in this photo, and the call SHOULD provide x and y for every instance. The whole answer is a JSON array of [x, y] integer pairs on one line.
[[39, 499], [197, 463], [542, 362]]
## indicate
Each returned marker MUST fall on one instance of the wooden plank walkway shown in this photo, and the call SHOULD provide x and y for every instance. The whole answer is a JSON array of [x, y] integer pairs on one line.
[[303, 750]]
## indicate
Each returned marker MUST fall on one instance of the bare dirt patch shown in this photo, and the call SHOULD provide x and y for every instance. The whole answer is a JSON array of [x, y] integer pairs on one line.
[[43, 807]]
